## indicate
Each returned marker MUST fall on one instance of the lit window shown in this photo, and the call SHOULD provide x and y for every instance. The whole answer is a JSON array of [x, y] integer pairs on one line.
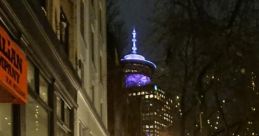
[[36, 119], [6, 120]]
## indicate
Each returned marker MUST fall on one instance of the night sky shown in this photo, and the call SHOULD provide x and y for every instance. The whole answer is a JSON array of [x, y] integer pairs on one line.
[[137, 13]]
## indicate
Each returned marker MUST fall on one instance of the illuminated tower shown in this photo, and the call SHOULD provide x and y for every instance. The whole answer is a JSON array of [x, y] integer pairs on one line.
[[137, 69], [137, 78], [148, 107]]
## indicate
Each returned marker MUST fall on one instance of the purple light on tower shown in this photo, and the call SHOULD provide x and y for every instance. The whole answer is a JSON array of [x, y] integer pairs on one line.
[[136, 77], [133, 80]]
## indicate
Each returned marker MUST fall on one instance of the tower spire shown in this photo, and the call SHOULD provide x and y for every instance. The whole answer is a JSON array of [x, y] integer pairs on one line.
[[134, 47]]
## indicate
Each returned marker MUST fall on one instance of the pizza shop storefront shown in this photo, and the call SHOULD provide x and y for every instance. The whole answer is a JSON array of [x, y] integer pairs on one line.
[[18, 76], [13, 80], [31, 103]]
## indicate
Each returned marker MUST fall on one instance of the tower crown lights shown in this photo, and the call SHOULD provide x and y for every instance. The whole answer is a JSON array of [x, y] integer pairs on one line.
[[133, 56]]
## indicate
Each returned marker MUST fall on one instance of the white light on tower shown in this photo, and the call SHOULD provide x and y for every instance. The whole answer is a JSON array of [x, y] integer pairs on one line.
[[134, 47]]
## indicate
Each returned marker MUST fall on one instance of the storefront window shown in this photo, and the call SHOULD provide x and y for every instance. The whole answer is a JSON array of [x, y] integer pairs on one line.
[[36, 119], [6, 119]]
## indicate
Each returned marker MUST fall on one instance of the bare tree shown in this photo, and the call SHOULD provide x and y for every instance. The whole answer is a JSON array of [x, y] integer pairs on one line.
[[212, 47]]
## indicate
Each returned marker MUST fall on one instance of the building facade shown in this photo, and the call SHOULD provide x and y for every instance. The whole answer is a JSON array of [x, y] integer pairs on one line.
[[65, 46], [153, 108]]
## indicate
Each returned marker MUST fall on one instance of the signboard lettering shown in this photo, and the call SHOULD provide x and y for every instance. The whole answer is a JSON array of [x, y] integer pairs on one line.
[[13, 70]]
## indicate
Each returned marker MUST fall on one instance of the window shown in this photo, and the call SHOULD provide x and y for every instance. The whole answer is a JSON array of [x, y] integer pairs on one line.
[[92, 88], [65, 118], [37, 83], [6, 121], [100, 20], [82, 129], [80, 69], [92, 45], [43, 4], [43, 89], [59, 108], [36, 119], [56, 24], [62, 132], [64, 31], [31, 75], [101, 110], [92, 2], [36, 114], [82, 17], [81, 65], [101, 69]]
